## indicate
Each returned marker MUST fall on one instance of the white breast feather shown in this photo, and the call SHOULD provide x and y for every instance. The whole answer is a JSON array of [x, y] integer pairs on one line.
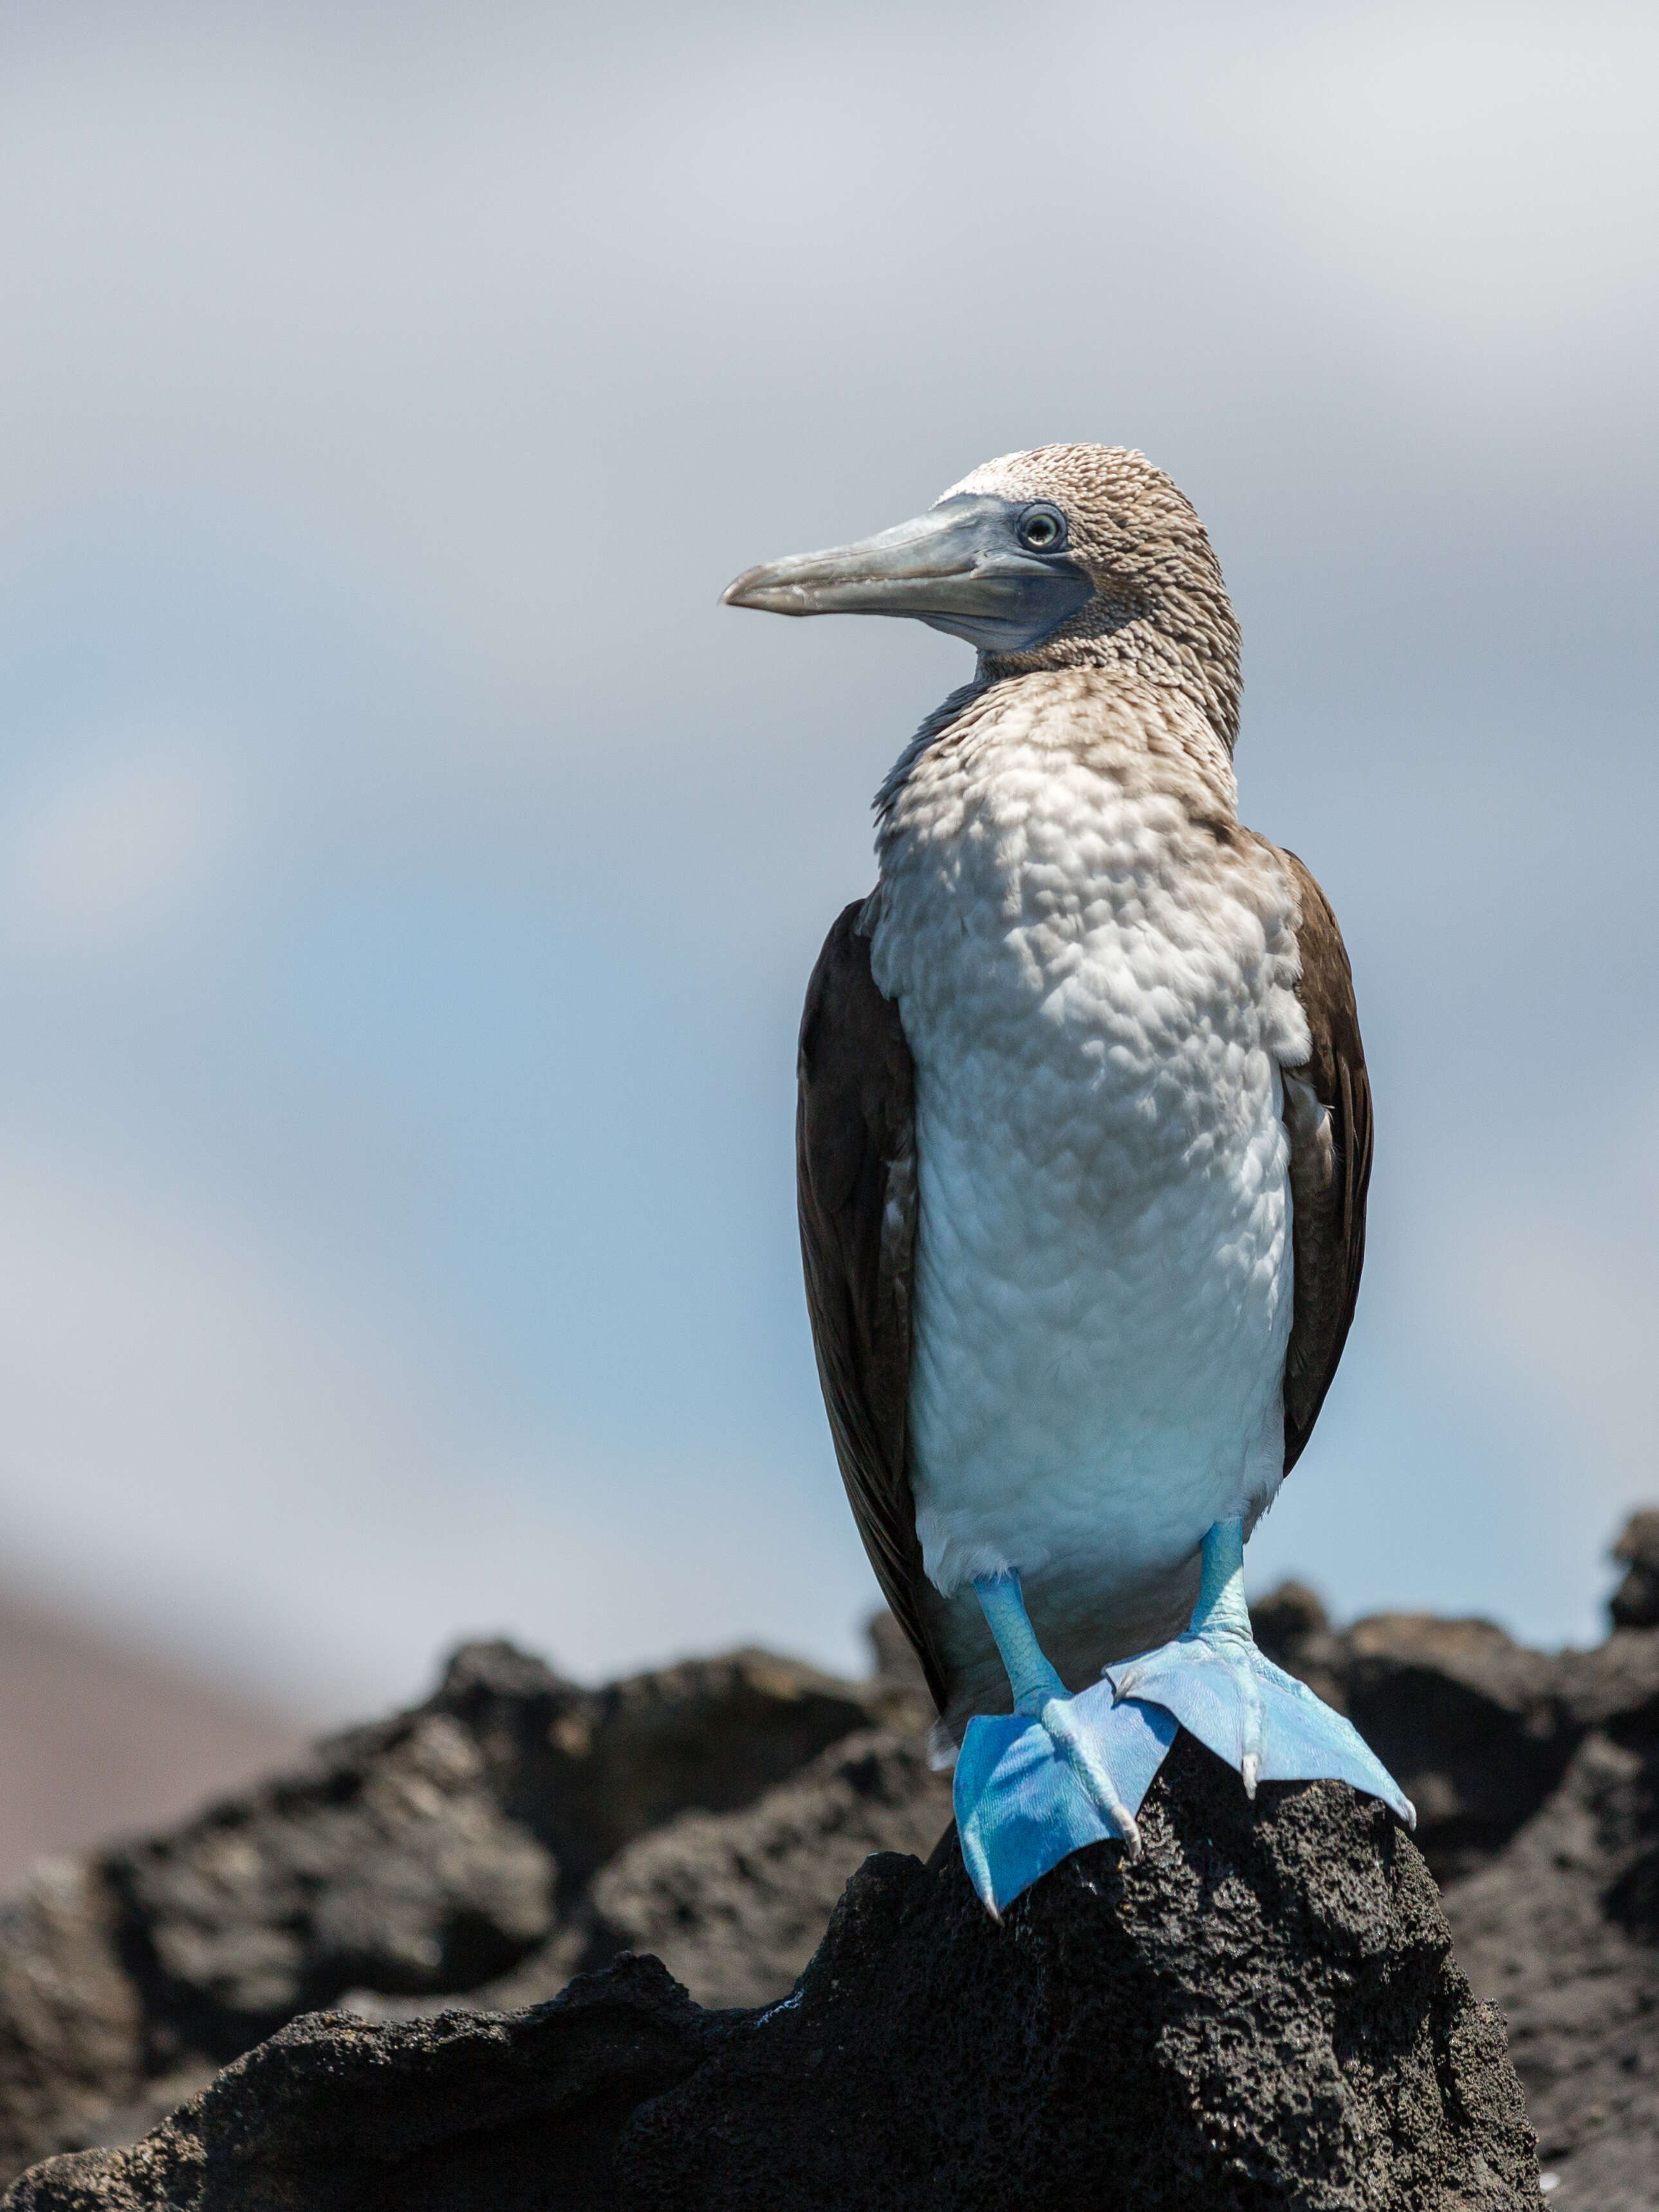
[[1096, 974]]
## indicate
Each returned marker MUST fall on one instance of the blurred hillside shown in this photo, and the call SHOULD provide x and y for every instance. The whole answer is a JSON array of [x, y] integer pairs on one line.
[[97, 1738]]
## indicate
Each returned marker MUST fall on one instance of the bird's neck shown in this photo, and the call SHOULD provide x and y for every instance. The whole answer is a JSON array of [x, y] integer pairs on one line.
[[1109, 719], [1188, 646]]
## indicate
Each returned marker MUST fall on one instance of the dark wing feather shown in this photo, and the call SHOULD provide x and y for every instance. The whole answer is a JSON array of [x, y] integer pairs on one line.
[[1330, 1164], [855, 1167]]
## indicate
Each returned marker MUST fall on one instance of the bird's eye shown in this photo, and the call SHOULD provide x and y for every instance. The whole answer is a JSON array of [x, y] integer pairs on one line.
[[1043, 529]]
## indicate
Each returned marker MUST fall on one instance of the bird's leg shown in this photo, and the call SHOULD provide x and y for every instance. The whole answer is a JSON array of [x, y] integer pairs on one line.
[[1041, 1696], [1062, 1771], [1222, 1618], [1030, 1677], [1218, 1683]]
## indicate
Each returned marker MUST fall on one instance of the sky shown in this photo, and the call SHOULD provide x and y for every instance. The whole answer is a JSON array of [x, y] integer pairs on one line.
[[409, 876]]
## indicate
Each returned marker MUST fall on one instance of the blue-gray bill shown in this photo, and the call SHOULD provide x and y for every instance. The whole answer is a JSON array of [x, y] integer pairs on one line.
[[1061, 1771], [998, 572]]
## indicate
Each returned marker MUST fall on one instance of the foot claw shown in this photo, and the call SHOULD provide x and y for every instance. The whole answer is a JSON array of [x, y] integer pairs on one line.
[[1030, 1792], [1260, 1719], [1216, 1682], [1090, 1769]]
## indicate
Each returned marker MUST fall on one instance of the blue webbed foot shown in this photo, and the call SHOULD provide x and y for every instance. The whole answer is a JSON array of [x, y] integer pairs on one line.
[[1218, 1684], [1059, 1771]]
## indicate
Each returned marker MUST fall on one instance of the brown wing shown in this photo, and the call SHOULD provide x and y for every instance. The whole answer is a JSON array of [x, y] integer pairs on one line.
[[1330, 1164], [856, 1176]]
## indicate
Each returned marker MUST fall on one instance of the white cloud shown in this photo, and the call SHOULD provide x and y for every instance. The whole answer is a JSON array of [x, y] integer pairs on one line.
[[439, 307], [129, 844]]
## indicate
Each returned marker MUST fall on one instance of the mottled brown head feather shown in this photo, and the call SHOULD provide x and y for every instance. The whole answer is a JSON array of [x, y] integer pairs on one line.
[[1160, 606]]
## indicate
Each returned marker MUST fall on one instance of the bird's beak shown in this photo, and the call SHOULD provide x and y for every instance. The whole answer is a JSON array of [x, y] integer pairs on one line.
[[959, 567]]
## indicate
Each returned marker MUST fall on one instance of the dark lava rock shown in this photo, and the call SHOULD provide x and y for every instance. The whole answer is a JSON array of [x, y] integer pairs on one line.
[[734, 1903], [1635, 1603], [430, 1854], [1262, 2012], [1467, 1720], [1287, 1617], [423, 1856], [1471, 1724], [516, 1830], [1563, 1932], [403, 1871], [71, 2020], [586, 1770]]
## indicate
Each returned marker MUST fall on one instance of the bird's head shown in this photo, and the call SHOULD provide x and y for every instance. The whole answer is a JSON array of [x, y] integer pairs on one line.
[[1063, 557]]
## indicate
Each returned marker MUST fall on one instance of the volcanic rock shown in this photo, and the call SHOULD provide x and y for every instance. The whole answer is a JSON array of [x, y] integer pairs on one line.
[[516, 1830], [1262, 2012], [1561, 1930], [420, 1858], [1635, 1603]]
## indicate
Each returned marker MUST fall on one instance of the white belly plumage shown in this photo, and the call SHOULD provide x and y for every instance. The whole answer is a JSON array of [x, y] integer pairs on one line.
[[1097, 983], [1098, 1358]]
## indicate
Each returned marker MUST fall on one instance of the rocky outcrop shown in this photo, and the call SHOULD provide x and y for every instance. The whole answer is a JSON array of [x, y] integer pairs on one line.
[[1262, 2012], [1562, 1930], [1536, 1779], [1635, 1603], [71, 2019], [511, 1831], [734, 1904], [515, 1831], [1474, 1727]]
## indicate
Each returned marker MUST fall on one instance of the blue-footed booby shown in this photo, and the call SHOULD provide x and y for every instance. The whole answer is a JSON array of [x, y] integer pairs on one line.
[[1083, 1145]]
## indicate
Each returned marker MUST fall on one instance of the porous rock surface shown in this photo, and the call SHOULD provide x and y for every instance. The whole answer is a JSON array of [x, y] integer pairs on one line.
[[1562, 1930], [516, 1830], [513, 1830], [1262, 2012]]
